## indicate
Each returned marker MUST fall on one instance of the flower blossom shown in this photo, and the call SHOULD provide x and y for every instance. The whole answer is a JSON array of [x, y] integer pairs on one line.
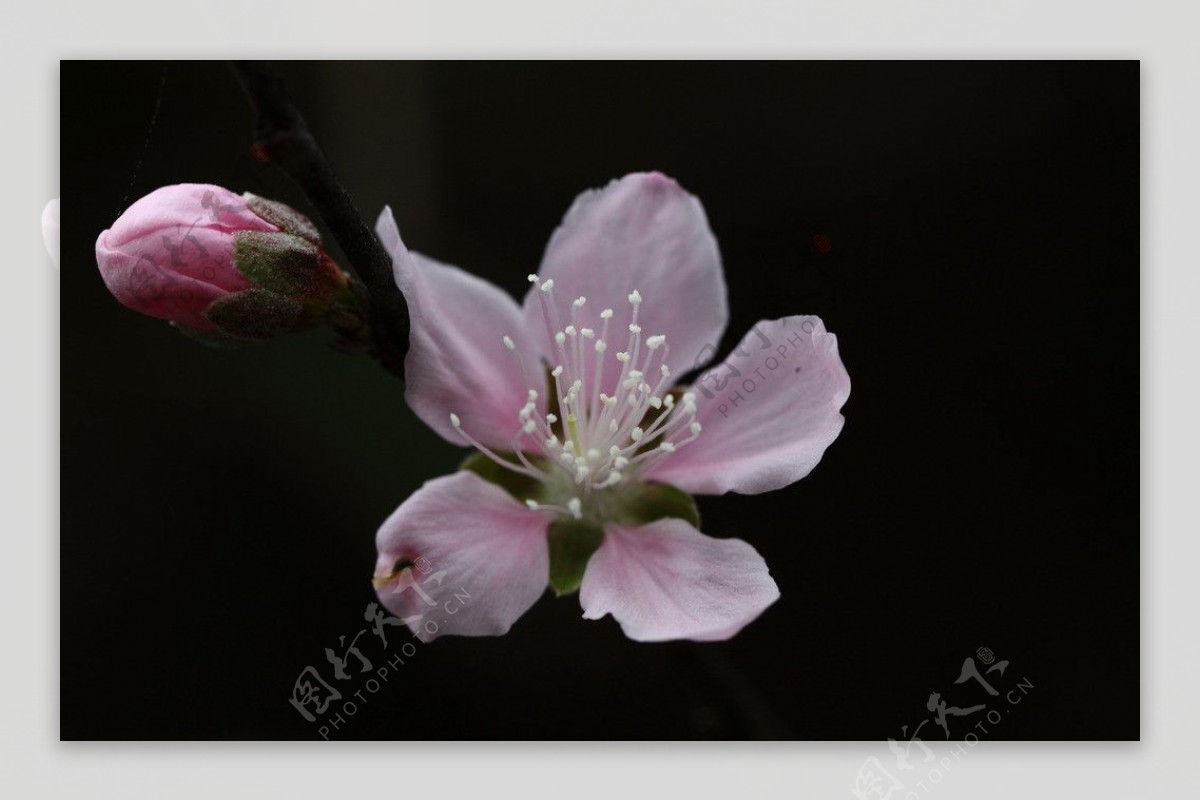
[[221, 266], [587, 448]]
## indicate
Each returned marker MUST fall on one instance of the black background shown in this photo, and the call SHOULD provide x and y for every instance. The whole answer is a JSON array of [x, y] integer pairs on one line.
[[219, 507]]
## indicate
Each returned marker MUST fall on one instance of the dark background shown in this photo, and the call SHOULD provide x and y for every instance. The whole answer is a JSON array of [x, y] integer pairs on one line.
[[976, 254]]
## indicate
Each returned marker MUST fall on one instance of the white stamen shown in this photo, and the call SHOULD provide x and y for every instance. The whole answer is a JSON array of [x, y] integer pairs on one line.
[[614, 424], [533, 279]]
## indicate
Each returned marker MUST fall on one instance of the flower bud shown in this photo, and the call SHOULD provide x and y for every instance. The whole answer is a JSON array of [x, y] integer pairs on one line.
[[218, 265]]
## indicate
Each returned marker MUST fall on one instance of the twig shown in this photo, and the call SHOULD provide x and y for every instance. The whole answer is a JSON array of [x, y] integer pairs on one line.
[[284, 139]]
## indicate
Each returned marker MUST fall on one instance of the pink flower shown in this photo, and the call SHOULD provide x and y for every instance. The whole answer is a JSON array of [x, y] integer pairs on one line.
[[572, 395], [225, 268], [50, 229], [170, 255]]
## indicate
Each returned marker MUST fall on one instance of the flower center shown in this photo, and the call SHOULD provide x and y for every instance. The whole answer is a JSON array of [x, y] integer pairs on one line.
[[604, 435]]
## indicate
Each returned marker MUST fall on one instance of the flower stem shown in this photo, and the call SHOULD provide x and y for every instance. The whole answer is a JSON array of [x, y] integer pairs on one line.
[[283, 138]]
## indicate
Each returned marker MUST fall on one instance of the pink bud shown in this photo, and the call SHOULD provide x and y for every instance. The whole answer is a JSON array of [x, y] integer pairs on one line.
[[170, 255]]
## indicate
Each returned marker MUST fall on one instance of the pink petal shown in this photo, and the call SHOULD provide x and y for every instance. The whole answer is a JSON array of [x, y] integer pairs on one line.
[[768, 412], [641, 232], [667, 581], [457, 362], [50, 228], [480, 558]]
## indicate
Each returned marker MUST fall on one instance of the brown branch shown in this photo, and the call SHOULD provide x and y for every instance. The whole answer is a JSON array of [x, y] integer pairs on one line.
[[285, 140]]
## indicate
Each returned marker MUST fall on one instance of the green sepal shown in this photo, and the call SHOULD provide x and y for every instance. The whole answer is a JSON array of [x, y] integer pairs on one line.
[[518, 485], [254, 314], [285, 264], [214, 339], [283, 216], [572, 543], [646, 503]]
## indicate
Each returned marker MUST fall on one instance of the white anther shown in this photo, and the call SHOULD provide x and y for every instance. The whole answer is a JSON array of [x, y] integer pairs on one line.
[[552, 441], [620, 462], [533, 279], [593, 454], [508, 343], [656, 401], [560, 337], [622, 356], [666, 446], [634, 328], [532, 504], [636, 434], [689, 397], [548, 285], [557, 371], [570, 329], [587, 333], [666, 371], [578, 385], [644, 387], [529, 427], [600, 346], [579, 301], [635, 297], [633, 401], [696, 428], [613, 479], [581, 461], [612, 426], [454, 421], [533, 394], [669, 402], [606, 314], [551, 419], [614, 451], [575, 507], [610, 401], [581, 472], [655, 342], [566, 457]]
